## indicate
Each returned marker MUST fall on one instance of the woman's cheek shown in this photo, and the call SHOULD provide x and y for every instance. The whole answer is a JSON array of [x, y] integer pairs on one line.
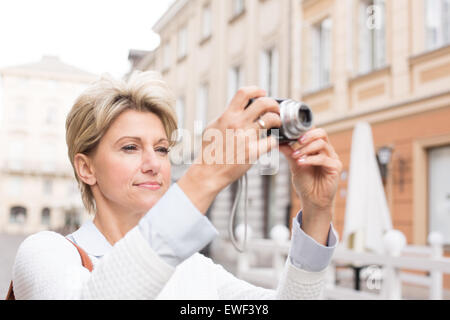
[[166, 174]]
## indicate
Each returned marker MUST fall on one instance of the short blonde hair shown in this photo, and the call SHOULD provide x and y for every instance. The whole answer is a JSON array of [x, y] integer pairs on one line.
[[99, 105]]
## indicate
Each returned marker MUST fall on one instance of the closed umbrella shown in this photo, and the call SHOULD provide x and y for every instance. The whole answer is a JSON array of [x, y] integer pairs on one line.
[[367, 216]]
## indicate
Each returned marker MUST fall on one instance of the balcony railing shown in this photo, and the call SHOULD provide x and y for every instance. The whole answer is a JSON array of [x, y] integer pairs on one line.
[[386, 273]]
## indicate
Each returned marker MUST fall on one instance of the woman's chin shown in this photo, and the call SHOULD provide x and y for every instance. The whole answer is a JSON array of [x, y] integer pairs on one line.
[[147, 204], [145, 201]]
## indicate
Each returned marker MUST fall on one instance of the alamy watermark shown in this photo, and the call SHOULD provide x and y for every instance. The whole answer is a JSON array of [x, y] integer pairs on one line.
[[235, 147]]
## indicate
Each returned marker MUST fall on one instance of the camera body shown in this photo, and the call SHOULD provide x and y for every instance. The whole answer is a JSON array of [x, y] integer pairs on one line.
[[296, 119]]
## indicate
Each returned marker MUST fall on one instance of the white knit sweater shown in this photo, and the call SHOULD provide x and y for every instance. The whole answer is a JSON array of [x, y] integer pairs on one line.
[[47, 266]]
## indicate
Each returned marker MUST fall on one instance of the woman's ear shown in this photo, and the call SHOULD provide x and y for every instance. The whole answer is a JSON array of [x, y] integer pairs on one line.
[[84, 169]]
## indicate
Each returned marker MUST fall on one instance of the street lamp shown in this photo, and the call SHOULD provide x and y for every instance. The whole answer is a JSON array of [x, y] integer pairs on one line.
[[384, 157]]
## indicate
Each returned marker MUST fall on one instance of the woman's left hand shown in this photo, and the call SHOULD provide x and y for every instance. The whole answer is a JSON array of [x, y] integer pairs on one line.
[[315, 169]]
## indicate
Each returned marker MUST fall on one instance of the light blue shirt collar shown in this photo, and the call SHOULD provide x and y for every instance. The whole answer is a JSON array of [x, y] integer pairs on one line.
[[91, 240]]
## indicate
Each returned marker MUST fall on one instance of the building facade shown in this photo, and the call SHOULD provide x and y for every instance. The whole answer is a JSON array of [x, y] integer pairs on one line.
[[388, 64], [37, 187], [382, 61]]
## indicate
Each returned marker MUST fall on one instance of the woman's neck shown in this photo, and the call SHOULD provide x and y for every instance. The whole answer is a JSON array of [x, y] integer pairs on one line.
[[115, 223]]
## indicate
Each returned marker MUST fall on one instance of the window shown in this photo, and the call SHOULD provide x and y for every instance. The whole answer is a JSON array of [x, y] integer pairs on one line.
[[19, 113], [372, 35], [17, 215], [437, 23], [48, 160], [268, 72], [202, 107], [51, 116], [237, 7], [45, 216], [72, 188], [15, 187], [23, 82], [439, 191], [16, 154], [179, 108], [235, 81], [206, 22], [48, 187], [321, 54], [182, 42], [166, 56]]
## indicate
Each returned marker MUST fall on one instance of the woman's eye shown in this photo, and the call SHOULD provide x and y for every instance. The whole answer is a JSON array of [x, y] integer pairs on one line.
[[129, 148], [162, 150]]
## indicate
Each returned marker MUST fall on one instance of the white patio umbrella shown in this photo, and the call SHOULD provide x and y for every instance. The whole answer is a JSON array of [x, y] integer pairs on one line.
[[367, 216]]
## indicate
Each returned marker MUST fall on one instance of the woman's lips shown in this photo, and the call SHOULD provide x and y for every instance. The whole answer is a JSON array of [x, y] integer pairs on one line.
[[150, 185]]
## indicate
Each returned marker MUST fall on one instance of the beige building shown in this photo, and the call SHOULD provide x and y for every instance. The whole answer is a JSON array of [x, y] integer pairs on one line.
[[37, 188], [386, 62], [382, 61]]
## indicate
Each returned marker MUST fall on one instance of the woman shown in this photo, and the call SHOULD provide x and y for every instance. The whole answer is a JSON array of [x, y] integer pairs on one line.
[[145, 234]]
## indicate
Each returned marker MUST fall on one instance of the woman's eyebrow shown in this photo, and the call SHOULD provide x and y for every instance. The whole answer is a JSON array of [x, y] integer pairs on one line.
[[163, 140], [127, 137], [139, 139]]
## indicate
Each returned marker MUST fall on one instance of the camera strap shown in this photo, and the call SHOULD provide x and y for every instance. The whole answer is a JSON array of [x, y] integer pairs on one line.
[[242, 184]]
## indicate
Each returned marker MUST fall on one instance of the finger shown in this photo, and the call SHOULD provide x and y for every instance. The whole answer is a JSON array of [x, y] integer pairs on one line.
[[286, 150], [243, 96], [314, 147], [320, 160], [261, 106], [269, 119], [314, 134], [263, 146]]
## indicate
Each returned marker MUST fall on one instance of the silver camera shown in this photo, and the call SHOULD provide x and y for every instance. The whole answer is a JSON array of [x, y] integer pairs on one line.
[[296, 119]]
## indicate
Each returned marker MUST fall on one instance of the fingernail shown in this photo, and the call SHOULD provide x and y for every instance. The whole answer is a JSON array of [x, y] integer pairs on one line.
[[302, 159], [303, 138], [296, 154]]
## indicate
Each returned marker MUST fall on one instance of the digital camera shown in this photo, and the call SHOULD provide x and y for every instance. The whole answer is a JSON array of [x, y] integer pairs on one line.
[[296, 119]]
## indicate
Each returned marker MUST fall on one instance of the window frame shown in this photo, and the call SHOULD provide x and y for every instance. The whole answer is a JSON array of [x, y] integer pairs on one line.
[[321, 54]]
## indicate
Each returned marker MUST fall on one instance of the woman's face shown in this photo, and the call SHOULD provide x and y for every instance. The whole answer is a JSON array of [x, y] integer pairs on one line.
[[131, 163]]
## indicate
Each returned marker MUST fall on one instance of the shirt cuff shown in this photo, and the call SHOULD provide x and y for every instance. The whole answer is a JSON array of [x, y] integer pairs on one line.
[[175, 228], [306, 253]]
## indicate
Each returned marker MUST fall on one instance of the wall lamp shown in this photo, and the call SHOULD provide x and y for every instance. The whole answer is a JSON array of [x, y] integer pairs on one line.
[[384, 155]]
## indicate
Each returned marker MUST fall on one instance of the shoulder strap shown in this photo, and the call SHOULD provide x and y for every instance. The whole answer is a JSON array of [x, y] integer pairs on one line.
[[10, 295], [85, 261]]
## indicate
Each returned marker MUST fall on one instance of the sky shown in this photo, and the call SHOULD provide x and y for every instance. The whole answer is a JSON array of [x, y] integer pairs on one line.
[[93, 35]]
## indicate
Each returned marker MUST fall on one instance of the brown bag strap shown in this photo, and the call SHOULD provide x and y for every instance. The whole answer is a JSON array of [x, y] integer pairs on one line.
[[85, 261], [10, 295]]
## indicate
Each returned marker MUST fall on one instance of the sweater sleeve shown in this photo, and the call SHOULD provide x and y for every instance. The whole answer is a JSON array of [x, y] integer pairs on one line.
[[47, 266], [294, 284]]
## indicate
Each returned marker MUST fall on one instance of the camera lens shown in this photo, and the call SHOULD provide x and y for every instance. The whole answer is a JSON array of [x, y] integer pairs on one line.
[[296, 118], [301, 116]]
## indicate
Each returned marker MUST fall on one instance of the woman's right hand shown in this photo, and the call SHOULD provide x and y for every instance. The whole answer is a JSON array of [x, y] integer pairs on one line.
[[218, 165]]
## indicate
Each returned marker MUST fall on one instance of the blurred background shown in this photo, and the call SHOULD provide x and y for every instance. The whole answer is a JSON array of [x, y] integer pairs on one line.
[[376, 74]]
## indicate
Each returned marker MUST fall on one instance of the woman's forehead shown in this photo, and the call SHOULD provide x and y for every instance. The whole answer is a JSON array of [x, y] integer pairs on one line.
[[137, 124]]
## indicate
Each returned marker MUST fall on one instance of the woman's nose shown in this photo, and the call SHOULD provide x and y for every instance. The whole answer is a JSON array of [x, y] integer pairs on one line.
[[150, 162]]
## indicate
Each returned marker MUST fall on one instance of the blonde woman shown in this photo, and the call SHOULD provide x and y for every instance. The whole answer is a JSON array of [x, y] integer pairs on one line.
[[145, 234]]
